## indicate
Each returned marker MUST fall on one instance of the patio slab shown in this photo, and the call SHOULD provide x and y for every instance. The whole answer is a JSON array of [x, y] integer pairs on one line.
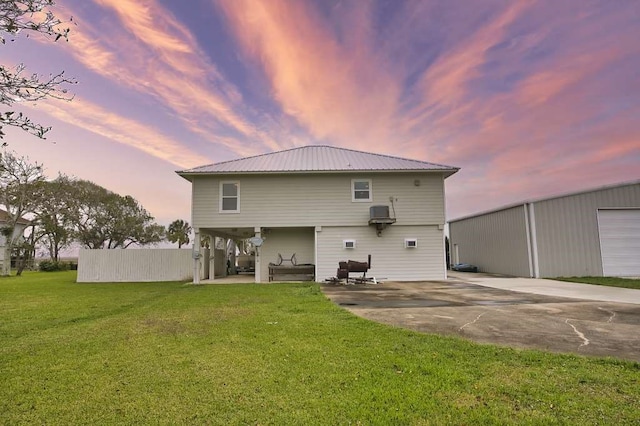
[[497, 316]]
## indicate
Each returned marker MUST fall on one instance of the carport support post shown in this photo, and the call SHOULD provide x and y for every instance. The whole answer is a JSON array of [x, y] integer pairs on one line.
[[196, 256], [258, 274]]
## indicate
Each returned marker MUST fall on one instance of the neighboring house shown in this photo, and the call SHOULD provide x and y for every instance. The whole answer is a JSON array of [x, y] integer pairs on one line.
[[19, 230], [587, 233], [316, 202]]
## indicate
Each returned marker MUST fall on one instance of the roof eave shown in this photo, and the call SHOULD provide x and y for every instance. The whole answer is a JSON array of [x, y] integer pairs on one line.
[[188, 175]]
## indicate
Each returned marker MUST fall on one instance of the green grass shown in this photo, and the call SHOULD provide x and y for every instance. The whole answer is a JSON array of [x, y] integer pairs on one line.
[[608, 281], [170, 353]]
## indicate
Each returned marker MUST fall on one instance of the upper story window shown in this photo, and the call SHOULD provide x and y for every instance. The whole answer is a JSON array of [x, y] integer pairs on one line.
[[229, 197], [361, 190]]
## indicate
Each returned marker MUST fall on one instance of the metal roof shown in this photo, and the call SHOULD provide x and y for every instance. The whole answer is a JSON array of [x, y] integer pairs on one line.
[[316, 159]]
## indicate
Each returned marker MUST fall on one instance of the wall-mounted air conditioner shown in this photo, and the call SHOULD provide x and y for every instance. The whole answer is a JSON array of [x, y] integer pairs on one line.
[[380, 215]]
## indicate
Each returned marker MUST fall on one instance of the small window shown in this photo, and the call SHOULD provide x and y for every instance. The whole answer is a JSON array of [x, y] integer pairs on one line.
[[349, 244], [410, 243], [361, 190], [229, 197]]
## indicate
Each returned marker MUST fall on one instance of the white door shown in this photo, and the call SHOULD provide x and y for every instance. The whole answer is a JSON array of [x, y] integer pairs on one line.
[[620, 242]]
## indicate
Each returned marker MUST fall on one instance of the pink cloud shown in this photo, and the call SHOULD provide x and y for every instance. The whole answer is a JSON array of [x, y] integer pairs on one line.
[[98, 120], [163, 59], [327, 86]]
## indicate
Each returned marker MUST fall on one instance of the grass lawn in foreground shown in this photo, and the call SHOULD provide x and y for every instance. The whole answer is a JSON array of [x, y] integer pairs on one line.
[[608, 281], [170, 353]]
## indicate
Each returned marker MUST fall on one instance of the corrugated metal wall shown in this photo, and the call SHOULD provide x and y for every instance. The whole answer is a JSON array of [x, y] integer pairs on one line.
[[495, 242], [390, 259], [135, 265], [567, 230]]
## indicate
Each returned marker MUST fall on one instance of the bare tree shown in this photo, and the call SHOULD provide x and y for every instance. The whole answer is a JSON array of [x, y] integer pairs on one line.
[[28, 16]]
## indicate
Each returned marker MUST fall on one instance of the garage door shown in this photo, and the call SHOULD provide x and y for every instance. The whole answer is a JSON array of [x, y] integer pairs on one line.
[[620, 242]]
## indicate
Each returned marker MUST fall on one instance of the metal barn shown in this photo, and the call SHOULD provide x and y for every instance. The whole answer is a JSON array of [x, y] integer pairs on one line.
[[588, 233]]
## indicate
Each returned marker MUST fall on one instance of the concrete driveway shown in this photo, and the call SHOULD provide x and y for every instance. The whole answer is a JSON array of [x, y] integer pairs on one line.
[[461, 308]]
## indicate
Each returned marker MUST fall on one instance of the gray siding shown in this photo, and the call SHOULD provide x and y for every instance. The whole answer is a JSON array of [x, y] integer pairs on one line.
[[567, 230], [390, 259], [318, 200], [495, 242]]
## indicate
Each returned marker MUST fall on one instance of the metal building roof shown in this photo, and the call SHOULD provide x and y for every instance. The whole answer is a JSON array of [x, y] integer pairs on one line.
[[317, 158], [542, 199]]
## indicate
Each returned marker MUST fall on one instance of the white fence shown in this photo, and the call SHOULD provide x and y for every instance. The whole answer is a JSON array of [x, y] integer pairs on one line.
[[135, 265]]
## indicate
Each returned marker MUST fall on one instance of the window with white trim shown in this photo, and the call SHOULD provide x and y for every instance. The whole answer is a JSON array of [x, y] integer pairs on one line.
[[361, 190], [229, 197]]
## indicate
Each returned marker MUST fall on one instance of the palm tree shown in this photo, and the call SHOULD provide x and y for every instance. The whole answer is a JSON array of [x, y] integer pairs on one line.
[[178, 232]]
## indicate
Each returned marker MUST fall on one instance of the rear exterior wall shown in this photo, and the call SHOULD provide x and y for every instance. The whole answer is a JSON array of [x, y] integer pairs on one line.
[[495, 242], [390, 260], [318, 200], [567, 230]]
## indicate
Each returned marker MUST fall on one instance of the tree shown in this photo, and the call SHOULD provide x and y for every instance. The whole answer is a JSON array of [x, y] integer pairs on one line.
[[15, 86], [108, 220], [178, 232], [24, 251], [19, 180], [56, 215]]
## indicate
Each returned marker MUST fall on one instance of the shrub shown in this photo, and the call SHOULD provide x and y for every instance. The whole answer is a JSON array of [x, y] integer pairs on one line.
[[52, 266]]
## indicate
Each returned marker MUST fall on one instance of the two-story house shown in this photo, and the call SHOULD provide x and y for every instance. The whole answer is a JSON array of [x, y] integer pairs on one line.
[[326, 205]]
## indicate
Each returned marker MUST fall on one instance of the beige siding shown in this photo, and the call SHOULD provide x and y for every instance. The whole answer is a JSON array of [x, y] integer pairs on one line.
[[318, 200], [390, 259], [286, 242], [567, 230], [495, 242], [141, 265]]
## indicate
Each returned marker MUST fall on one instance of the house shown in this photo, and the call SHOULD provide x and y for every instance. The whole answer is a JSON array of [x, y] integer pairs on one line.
[[5, 222], [594, 232], [324, 204]]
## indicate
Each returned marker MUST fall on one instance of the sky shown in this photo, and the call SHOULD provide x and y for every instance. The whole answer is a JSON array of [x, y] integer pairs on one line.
[[528, 98]]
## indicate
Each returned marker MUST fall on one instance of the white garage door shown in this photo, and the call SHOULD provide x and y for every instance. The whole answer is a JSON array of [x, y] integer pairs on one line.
[[620, 242]]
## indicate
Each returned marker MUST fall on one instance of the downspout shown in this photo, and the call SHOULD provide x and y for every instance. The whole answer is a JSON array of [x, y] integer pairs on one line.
[[444, 234]]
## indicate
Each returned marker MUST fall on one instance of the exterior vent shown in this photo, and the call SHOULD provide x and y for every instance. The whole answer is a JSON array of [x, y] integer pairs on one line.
[[410, 242], [349, 244]]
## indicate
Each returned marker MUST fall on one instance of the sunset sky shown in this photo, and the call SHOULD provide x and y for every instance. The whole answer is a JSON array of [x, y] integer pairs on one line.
[[528, 98]]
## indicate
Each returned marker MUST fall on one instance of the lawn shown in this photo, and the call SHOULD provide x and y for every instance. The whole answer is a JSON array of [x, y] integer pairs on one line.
[[608, 281], [170, 353]]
